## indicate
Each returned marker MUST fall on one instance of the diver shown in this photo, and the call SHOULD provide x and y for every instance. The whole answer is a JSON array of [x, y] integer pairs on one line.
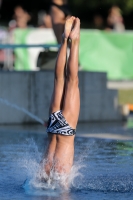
[[65, 103]]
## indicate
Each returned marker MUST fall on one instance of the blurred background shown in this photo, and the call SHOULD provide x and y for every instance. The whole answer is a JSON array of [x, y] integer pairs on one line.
[[30, 34], [87, 11]]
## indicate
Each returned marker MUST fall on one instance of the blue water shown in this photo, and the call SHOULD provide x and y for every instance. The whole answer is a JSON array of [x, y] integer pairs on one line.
[[103, 168]]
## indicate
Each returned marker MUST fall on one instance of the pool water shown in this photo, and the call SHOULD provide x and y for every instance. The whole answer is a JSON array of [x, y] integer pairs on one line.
[[103, 168]]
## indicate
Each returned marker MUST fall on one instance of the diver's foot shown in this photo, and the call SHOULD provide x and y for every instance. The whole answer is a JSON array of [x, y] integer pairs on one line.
[[75, 33], [68, 27]]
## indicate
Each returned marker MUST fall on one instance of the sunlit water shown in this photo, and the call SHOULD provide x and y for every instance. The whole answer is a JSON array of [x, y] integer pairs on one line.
[[103, 169]]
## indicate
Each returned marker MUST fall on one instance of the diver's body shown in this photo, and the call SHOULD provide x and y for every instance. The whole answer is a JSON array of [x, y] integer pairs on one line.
[[65, 103]]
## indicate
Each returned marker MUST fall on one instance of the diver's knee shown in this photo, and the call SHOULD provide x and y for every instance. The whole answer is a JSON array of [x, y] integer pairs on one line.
[[73, 79]]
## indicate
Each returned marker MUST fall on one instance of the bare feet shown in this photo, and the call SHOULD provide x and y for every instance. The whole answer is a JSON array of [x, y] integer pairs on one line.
[[75, 33], [68, 26]]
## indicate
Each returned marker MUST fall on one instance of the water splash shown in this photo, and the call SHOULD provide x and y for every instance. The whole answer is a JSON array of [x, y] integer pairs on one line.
[[22, 161], [38, 179], [4, 101], [37, 182], [54, 184]]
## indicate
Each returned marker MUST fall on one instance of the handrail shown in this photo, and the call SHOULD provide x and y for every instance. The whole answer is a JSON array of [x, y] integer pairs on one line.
[[14, 46]]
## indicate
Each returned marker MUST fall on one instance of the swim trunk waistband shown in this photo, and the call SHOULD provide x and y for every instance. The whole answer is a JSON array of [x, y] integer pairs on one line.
[[57, 124]]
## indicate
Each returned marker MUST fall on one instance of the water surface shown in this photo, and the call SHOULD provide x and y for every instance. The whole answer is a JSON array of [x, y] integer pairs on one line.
[[103, 167]]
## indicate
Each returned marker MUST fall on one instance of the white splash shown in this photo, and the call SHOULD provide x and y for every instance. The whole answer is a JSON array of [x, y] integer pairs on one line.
[[38, 183]]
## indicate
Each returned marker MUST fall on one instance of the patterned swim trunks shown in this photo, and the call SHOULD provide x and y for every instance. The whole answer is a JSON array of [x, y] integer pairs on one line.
[[58, 125]]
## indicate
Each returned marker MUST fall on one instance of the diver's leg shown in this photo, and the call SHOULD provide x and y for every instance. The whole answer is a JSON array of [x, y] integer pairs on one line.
[[65, 144], [71, 103], [59, 74]]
